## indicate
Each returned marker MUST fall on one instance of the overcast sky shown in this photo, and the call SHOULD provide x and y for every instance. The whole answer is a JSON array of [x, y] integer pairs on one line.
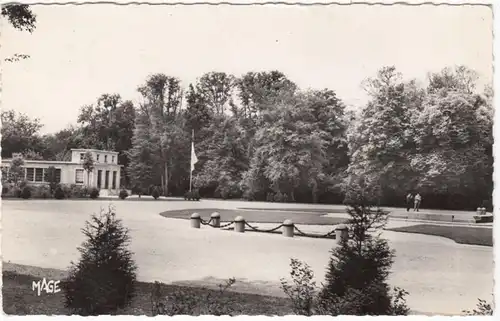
[[80, 52]]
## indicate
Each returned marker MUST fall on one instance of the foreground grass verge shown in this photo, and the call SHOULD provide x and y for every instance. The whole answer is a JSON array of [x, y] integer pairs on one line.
[[258, 216], [459, 234], [20, 299]]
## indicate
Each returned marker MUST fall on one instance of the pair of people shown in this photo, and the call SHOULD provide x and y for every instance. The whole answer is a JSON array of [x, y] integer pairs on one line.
[[416, 200]]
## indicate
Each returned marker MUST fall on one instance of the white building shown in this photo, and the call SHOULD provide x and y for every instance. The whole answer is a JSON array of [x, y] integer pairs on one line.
[[105, 176]]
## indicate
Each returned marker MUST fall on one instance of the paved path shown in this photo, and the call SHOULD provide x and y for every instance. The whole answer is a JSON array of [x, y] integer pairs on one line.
[[46, 234]]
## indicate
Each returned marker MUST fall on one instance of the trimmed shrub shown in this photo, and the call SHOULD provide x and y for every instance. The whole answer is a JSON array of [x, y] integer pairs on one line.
[[79, 191], [42, 191], [94, 193], [5, 190], [14, 192], [123, 194], [270, 197], [23, 184], [278, 197], [155, 193], [68, 193], [59, 193], [192, 196], [103, 281], [26, 192]]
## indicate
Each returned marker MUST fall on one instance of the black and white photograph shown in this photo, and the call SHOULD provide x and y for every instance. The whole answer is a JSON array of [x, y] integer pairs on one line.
[[266, 159]]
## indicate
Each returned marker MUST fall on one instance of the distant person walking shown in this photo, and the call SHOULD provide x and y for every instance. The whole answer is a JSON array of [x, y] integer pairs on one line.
[[409, 201], [418, 200]]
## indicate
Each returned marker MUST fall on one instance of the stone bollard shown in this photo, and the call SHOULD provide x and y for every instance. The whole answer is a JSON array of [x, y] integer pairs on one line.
[[195, 220], [341, 233], [479, 211], [215, 219], [288, 228], [239, 224], [483, 211]]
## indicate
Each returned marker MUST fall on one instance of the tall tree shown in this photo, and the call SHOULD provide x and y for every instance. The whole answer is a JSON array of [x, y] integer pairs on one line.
[[162, 107], [381, 142], [19, 133], [454, 140], [216, 88], [258, 90], [58, 146], [88, 165], [109, 125], [21, 18], [144, 154]]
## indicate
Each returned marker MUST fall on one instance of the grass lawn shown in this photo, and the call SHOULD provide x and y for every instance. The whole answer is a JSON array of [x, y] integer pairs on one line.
[[459, 234], [259, 216], [20, 299]]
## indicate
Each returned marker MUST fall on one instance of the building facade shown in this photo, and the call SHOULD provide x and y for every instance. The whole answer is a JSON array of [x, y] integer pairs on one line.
[[105, 176]]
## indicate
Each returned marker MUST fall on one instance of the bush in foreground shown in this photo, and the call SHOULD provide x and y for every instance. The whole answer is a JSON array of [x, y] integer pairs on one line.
[[186, 303], [103, 281], [357, 273], [482, 308], [123, 194]]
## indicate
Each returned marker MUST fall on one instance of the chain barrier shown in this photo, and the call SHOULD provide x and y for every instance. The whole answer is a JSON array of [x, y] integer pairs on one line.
[[327, 235], [266, 231], [211, 225], [226, 225], [205, 222]]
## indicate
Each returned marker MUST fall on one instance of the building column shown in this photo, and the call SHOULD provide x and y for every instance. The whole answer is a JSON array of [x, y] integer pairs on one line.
[[118, 179]]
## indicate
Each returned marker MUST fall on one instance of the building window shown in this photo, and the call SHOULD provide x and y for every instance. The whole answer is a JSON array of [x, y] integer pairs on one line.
[[106, 180], [58, 175], [114, 180], [105, 158], [99, 178], [79, 176], [48, 179], [112, 159], [38, 174], [98, 157], [30, 174], [82, 155]]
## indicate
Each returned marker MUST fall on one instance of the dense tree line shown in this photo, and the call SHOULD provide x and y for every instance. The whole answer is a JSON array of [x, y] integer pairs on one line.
[[261, 137]]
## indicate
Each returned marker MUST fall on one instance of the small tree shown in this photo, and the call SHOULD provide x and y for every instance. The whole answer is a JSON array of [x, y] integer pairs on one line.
[[303, 291], [103, 281], [51, 178], [155, 193], [88, 165], [359, 268], [16, 170]]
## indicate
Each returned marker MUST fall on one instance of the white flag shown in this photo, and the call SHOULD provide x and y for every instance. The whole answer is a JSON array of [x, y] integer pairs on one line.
[[194, 159]]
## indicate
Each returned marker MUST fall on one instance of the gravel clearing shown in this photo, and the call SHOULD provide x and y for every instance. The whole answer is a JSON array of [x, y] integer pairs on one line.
[[46, 233]]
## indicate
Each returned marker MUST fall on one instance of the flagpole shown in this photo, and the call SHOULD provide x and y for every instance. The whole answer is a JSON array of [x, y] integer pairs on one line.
[[190, 167]]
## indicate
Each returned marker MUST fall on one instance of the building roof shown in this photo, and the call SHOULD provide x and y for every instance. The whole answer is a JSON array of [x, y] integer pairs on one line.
[[32, 161], [8, 160], [93, 150]]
